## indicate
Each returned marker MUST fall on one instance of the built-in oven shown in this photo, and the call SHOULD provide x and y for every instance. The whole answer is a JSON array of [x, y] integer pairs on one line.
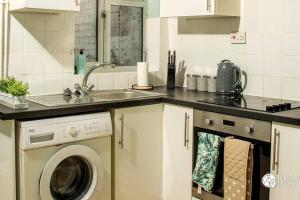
[[258, 133]]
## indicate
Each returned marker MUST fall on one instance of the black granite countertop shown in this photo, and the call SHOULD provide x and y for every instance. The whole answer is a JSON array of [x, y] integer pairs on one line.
[[248, 106]]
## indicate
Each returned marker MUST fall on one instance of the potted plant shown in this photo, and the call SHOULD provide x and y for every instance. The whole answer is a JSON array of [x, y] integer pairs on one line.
[[13, 91]]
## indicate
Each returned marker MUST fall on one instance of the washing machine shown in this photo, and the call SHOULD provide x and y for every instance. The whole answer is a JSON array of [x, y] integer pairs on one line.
[[66, 158]]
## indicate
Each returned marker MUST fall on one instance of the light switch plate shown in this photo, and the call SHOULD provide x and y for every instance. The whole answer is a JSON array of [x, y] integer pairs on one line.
[[238, 38]]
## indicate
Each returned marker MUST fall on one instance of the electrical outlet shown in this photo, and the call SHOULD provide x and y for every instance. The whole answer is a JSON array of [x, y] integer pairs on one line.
[[238, 38]]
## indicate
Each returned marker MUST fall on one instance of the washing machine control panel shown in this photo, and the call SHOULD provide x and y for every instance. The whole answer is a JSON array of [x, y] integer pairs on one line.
[[48, 132], [86, 129]]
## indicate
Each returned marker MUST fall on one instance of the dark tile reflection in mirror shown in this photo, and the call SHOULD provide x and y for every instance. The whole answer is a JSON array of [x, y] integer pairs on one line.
[[126, 35], [86, 29]]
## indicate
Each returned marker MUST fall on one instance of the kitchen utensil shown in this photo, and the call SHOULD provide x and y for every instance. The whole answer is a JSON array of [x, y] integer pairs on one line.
[[229, 78]]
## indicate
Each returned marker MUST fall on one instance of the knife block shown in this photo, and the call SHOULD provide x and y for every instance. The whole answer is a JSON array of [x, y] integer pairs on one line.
[[171, 76]]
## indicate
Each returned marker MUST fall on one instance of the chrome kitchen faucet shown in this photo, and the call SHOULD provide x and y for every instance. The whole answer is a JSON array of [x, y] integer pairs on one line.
[[85, 88]]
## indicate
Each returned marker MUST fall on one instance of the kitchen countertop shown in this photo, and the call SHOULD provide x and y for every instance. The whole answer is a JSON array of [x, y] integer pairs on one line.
[[179, 96]]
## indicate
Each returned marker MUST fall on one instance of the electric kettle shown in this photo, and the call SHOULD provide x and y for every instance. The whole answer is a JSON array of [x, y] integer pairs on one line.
[[229, 78]]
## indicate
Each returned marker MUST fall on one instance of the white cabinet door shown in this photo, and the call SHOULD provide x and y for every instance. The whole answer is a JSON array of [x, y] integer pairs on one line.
[[176, 8], [138, 153], [177, 153], [285, 162], [47, 6]]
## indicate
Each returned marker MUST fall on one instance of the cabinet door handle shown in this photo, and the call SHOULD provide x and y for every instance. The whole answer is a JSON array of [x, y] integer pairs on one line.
[[121, 142], [275, 163], [277, 152], [186, 130], [208, 5]]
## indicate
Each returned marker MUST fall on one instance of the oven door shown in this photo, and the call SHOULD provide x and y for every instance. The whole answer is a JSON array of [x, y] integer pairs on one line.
[[261, 166]]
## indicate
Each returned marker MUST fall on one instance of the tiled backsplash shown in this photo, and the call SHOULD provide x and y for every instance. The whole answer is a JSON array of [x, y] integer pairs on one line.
[[41, 53], [272, 53]]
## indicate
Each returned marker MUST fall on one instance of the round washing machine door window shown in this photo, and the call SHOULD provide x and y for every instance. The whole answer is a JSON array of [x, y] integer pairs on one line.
[[71, 174]]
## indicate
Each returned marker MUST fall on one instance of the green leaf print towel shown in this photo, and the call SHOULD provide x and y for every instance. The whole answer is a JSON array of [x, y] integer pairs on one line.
[[207, 160]]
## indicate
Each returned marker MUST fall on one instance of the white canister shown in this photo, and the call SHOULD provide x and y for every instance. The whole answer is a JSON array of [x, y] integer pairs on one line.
[[191, 82], [211, 83], [202, 83]]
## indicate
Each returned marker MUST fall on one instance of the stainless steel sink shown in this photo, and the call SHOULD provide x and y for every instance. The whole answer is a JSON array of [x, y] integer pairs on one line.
[[119, 95], [93, 97]]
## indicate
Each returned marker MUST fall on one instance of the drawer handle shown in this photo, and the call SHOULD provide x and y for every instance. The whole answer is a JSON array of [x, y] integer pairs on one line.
[[121, 142]]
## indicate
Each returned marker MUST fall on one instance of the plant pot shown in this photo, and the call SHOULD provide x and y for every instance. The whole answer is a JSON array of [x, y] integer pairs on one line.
[[15, 102]]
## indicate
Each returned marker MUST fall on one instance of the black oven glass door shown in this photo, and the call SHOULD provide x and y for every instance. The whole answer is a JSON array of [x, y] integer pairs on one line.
[[261, 165]]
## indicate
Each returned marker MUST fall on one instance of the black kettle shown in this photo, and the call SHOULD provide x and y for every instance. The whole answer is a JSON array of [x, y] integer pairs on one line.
[[229, 78]]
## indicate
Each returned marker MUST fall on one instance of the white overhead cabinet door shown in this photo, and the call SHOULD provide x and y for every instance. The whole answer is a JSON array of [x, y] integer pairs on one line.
[[285, 162], [46, 6], [198, 8], [177, 8], [178, 152]]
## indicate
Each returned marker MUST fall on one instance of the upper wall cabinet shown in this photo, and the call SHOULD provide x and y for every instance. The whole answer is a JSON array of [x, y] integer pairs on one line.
[[45, 6], [198, 8]]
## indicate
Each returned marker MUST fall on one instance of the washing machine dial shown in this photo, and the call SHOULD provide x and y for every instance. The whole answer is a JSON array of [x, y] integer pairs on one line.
[[73, 131]]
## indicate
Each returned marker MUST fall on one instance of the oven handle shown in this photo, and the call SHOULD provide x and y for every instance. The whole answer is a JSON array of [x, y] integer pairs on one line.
[[275, 163], [186, 130]]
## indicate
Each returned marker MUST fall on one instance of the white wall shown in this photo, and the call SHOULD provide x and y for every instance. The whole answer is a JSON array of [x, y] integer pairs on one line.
[[41, 53], [272, 53]]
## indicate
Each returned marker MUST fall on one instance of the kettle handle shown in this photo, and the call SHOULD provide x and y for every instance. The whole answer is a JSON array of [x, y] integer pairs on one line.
[[246, 80], [238, 71]]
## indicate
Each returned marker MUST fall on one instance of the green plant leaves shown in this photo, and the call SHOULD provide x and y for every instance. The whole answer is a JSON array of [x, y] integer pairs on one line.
[[13, 87]]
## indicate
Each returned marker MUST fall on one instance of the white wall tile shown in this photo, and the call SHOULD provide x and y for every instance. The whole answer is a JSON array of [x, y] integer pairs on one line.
[[16, 64], [34, 63], [16, 45], [291, 67], [255, 86], [35, 22], [69, 81], [54, 63], [271, 54], [17, 21], [292, 44], [132, 79], [55, 22], [121, 80], [34, 42], [289, 90], [36, 84], [69, 62], [105, 81], [273, 65], [93, 79], [54, 42], [272, 87], [54, 83], [255, 65], [69, 23], [272, 44]]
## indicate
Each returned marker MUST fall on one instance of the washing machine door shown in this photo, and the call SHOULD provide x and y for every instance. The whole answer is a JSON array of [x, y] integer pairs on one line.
[[73, 173]]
